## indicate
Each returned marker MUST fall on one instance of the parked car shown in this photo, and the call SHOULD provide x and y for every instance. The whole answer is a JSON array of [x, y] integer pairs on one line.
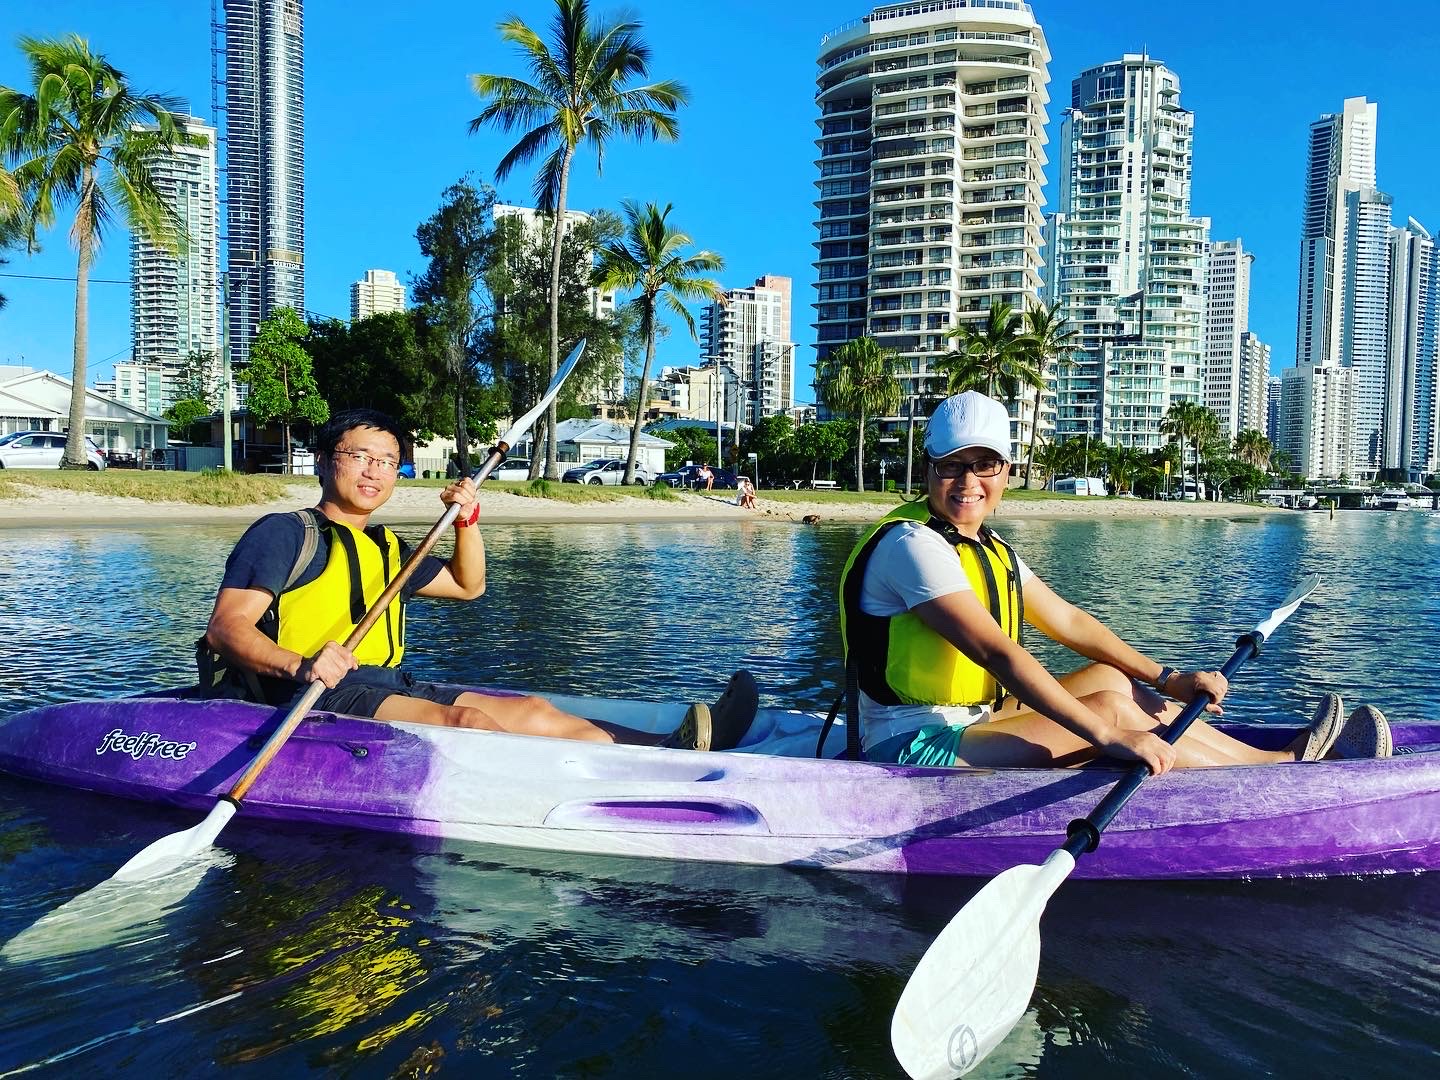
[[512, 469], [604, 471], [687, 476], [43, 450]]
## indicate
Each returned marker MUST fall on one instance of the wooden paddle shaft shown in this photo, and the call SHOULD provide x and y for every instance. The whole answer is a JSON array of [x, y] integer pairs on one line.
[[312, 694]]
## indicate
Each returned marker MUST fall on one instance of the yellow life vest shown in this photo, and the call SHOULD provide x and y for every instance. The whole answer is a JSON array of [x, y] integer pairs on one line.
[[329, 608], [899, 659]]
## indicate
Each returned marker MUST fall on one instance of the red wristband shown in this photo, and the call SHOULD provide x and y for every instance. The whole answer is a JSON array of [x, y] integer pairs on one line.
[[466, 522]]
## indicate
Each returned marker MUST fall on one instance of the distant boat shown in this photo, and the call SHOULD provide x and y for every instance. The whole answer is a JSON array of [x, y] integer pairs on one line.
[[1396, 499]]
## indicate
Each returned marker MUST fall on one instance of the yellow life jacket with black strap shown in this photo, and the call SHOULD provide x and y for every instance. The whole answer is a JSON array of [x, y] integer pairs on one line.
[[898, 659], [329, 608]]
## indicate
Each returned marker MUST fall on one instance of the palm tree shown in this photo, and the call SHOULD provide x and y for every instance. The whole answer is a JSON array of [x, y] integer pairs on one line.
[[651, 260], [1125, 465], [578, 93], [1254, 449], [1049, 344], [1190, 424], [858, 380], [84, 135], [989, 355]]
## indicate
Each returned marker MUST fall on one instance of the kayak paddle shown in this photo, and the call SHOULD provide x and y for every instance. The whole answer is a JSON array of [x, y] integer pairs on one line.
[[169, 851], [975, 981]]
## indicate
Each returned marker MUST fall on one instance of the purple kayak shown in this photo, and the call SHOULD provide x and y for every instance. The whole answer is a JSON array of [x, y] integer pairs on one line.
[[768, 803]]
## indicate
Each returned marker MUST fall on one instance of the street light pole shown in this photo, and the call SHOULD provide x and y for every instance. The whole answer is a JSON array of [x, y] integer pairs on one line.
[[910, 444], [227, 450]]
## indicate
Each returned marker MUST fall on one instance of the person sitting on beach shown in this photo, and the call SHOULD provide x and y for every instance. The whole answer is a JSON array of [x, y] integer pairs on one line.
[[745, 494], [932, 603], [705, 476], [277, 626]]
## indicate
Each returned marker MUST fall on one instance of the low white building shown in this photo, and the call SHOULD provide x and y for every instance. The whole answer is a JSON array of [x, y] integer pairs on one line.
[[580, 440], [33, 400]]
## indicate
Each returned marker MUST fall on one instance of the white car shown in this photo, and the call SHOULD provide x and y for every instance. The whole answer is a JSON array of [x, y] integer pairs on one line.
[[43, 450], [512, 469], [604, 471]]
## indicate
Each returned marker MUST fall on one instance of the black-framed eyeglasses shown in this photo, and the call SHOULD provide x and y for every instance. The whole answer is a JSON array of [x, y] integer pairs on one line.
[[951, 469], [364, 461]]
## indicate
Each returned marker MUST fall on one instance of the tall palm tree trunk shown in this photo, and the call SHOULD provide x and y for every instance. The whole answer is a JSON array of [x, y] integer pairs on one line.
[[649, 323], [1034, 434], [74, 457], [552, 446], [860, 455]]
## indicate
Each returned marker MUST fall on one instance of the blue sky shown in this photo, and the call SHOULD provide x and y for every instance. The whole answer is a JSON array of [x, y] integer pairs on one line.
[[388, 100]]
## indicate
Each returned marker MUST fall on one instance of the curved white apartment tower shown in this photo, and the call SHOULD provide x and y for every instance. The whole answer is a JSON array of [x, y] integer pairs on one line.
[[932, 128], [1129, 262]]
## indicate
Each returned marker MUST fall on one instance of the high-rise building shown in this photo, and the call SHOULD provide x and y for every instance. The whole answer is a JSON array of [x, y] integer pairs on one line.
[[175, 295], [1227, 319], [379, 291], [1341, 160], [1251, 411], [606, 391], [749, 330], [1315, 405], [1129, 259], [1272, 409], [1365, 325], [264, 162], [931, 155], [1412, 420]]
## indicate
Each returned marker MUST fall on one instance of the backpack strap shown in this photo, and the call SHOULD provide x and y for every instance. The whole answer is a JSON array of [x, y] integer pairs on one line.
[[308, 545], [217, 677]]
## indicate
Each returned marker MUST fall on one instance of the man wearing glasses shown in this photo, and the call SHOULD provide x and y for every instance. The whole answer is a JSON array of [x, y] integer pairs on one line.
[[932, 606], [280, 616]]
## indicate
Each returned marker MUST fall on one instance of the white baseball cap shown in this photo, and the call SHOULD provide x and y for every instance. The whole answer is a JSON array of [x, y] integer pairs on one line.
[[968, 419]]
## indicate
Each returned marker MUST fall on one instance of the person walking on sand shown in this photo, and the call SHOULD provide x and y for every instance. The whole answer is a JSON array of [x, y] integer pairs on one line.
[[279, 617], [932, 606]]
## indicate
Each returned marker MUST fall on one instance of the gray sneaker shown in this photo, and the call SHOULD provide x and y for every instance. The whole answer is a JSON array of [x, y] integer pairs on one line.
[[1324, 729], [1366, 734], [734, 711]]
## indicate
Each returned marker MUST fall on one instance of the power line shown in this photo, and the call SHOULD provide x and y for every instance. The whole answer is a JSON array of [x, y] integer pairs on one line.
[[52, 277]]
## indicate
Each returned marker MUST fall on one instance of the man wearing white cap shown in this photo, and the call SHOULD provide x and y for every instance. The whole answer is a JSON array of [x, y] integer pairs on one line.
[[932, 606]]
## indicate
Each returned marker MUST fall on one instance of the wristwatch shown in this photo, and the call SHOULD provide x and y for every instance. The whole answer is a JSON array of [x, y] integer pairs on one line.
[[1166, 673]]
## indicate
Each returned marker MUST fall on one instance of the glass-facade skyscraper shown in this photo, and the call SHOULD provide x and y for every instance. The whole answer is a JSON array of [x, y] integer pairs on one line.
[[264, 93]]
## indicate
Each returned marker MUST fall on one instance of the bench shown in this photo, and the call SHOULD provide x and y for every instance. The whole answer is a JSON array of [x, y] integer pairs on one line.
[[824, 485]]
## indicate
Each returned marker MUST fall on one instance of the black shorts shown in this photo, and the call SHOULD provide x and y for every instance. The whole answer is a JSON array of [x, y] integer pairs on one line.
[[361, 692]]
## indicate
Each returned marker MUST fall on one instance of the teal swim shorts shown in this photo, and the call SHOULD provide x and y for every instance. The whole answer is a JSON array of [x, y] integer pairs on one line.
[[933, 746]]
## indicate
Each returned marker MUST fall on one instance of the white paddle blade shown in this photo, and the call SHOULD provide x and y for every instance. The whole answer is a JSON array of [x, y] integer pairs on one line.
[[165, 854], [1287, 607], [975, 981]]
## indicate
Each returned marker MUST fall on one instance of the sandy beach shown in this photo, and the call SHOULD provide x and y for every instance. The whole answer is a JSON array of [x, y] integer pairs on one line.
[[414, 505]]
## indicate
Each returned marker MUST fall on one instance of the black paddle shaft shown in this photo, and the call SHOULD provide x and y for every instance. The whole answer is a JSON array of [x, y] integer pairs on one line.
[[1084, 833]]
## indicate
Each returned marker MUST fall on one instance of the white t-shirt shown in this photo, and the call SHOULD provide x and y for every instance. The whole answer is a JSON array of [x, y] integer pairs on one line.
[[913, 564]]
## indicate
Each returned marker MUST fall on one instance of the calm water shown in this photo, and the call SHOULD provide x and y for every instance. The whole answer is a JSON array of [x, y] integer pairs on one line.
[[346, 954]]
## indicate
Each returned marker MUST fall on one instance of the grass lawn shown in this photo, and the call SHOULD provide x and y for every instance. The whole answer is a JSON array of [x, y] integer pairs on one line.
[[202, 489], [245, 489]]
